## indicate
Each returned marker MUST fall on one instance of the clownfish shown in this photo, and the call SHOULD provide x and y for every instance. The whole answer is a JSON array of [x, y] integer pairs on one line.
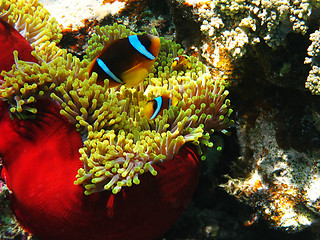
[[156, 106], [126, 61], [180, 61]]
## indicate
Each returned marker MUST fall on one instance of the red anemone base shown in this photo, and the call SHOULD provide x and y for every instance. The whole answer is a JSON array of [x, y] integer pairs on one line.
[[11, 40], [41, 159]]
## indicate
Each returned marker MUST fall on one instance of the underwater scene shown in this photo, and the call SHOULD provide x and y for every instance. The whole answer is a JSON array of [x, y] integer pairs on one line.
[[159, 119]]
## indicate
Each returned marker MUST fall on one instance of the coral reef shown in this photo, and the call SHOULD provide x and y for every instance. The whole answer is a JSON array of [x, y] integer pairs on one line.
[[283, 184], [263, 30], [312, 82], [74, 14], [272, 46], [237, 23]]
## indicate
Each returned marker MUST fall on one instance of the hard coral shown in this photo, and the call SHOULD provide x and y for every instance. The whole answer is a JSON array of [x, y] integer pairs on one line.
[[101, 134], [268, 41], [253, 21], [235, 25], [282, 185], [312, 82]]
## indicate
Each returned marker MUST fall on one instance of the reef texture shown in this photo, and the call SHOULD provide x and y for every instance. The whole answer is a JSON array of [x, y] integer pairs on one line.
[[312, 82], [284, 185], [237, 23]]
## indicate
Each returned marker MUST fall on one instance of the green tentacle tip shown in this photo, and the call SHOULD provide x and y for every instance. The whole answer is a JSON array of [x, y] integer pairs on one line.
[[115, 190], [13, 109], [129, 182], [136, 180]]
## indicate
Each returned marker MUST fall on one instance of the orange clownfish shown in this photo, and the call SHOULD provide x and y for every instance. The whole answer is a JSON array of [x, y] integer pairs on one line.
[[156, 106], [180, 61], [126, 61]]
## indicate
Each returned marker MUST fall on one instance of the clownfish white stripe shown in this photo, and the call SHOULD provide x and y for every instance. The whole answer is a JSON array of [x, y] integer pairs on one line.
[[108, 71], [135, 42], [159, 104]]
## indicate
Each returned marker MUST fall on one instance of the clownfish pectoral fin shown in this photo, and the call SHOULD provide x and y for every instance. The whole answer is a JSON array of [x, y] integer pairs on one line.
[[148, 109], [188, 63], [134, 76], [174, 101], [90, 66]]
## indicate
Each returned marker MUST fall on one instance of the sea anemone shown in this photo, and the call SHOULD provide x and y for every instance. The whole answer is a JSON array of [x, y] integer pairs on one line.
[[64, 137]]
